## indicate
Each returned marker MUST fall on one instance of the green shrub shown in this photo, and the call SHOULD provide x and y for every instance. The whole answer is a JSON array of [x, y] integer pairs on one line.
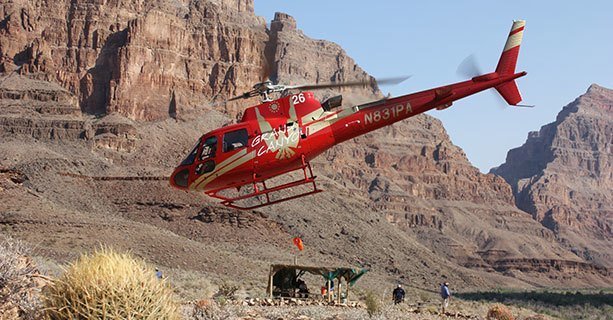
[[499, 312], [109, 285], [373, 304], [227, 291], [190, 285]]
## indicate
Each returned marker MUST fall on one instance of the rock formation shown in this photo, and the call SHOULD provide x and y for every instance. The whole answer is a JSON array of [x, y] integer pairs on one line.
[[148, 60], [295, 58], [423, 184], [563, 175], [136, 58]]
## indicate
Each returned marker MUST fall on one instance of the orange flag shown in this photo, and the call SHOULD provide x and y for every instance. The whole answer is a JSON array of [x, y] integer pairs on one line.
[[298, 243]]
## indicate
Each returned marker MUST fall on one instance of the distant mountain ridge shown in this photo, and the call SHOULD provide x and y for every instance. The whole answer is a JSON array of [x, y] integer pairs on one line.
[[563, 175]]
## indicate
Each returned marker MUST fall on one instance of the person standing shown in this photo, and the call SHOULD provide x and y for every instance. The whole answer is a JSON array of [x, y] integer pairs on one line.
[[445, 295], [398, 294], [158, 273]]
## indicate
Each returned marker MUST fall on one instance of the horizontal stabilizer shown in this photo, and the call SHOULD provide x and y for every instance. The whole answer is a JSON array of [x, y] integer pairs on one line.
[[509, 92]]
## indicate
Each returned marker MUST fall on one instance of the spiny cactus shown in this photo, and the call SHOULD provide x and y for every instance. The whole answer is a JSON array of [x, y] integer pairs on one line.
[[109, 285]]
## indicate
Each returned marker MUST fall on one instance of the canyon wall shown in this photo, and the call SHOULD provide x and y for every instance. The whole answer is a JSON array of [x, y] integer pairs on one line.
[[563, 176]]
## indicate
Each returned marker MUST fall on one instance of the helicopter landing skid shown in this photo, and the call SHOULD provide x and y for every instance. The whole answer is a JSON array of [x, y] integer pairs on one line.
[[265, 191]]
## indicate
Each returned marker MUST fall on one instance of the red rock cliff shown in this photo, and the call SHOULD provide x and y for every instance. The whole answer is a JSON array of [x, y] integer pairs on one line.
[[152, 59], [142, 59], [563, 175]]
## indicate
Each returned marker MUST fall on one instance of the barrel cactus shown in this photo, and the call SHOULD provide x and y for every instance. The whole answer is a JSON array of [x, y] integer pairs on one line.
[[109, 285]]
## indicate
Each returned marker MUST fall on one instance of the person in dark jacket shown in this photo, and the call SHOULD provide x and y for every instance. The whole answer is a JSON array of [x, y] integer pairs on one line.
[[445, 295], [398, 294]]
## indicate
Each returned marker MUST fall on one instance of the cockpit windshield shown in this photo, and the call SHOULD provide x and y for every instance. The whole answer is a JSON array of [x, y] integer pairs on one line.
[[191, 157]]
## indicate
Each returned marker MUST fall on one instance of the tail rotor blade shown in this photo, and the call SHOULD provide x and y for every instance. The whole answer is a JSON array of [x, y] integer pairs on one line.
[[499, 100], [469, 67]]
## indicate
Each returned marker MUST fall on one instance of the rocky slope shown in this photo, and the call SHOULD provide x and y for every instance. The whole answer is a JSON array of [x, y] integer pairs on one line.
[[403, 201], [563, 176]]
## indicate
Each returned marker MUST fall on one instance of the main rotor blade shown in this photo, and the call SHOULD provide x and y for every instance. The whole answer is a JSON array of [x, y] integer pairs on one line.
[[245, 95], [349, 83], [393, 80]]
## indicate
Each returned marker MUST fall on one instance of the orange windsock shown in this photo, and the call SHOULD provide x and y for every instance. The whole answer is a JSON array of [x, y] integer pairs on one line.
[[298, 243]]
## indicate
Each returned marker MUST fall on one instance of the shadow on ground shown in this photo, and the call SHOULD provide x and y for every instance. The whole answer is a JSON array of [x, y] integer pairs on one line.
[[554, 299]]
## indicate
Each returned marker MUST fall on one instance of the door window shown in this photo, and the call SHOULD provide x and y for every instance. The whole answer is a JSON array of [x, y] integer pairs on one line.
[[209, 148], [205, 167], [235, 140]]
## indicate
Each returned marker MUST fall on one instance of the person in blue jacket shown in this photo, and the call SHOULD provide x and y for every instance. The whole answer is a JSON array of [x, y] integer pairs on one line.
[[398, 294], [445, 295]]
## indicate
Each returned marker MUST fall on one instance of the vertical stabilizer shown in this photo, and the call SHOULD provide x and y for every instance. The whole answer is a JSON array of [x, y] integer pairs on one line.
[[508, 59], [507, 62]]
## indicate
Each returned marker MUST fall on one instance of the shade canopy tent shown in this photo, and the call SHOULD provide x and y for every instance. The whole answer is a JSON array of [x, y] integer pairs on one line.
[[283, 278]]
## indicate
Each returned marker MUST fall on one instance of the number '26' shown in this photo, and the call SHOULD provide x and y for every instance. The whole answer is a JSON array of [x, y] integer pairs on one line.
[[298, 98]]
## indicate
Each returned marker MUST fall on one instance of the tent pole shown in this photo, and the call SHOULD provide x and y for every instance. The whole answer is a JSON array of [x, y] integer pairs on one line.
[[340, 290], [270, 278], [329, 295], [347, 293]]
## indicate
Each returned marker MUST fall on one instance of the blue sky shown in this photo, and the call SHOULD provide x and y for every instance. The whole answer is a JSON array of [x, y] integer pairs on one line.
[[567, 46]]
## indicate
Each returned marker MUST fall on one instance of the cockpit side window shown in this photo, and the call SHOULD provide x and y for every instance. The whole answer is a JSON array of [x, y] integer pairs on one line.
[[235, 140], [191, 157], [209, 147]]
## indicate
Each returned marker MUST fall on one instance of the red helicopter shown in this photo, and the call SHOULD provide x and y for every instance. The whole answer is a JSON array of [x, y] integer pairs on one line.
[[280, 136]]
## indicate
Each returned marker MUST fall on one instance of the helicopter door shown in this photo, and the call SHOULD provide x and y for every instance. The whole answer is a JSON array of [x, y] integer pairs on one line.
[[233, 143]]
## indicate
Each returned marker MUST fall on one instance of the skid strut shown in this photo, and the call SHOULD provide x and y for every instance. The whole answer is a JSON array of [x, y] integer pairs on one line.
[[263, 189]]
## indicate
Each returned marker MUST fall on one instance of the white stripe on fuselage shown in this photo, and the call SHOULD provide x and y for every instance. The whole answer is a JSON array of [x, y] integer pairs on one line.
[[219, 168]]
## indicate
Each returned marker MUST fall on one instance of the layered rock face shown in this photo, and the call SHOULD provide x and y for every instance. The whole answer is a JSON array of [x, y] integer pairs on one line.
[[142, 59], [149, 60], [46, 111], [295, 58], [563, 175], [423, 184]]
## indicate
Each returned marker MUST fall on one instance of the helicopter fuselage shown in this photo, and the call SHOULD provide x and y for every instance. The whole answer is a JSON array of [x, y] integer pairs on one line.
[[279, 136]]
